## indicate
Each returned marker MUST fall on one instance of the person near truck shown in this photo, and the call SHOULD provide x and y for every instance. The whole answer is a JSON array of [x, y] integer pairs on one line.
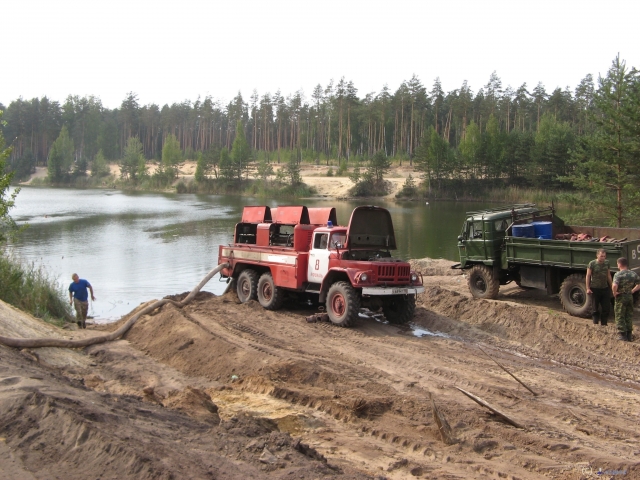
[[625, 284], [599, 285], [79, 298]]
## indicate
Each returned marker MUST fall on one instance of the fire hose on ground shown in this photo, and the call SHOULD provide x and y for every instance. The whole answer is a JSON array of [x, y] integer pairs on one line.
[[58, 342]]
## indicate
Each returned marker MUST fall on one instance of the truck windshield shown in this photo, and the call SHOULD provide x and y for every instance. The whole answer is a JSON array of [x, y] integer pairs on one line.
[[338, 240], [475, 229], [501, 225]]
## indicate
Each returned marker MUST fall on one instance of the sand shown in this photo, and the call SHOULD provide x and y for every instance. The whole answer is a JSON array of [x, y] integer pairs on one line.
[[220, 389]]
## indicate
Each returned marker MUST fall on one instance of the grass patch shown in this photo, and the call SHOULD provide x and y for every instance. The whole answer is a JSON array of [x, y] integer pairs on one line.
[[32, 289]]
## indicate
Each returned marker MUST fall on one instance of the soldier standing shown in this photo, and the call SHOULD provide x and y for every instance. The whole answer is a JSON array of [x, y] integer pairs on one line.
[[625, 284], [599, 287]]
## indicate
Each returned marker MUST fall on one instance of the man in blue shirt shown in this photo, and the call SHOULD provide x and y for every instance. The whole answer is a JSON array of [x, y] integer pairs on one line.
[[79, 298]]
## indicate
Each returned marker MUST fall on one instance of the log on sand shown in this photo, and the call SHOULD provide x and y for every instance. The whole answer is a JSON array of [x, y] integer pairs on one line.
[[481, 402]]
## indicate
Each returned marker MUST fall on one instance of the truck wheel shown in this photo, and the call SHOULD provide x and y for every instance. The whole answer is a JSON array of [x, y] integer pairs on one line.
[[399, 309], [481, 282], [343, 304], [573, 295], [269, 296], [247, 286]]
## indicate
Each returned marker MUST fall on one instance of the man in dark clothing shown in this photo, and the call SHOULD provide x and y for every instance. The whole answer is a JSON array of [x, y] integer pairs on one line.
[[599, 287], [79, 298]]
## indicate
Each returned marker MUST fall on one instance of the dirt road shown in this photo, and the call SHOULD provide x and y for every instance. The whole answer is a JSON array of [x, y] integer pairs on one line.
[[358, 398]]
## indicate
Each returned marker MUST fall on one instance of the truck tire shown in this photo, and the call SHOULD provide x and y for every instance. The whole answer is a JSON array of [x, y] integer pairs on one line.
[[482, 284], [269, 296], [573, 295], [399, 309], [343, 304], [247, 285]]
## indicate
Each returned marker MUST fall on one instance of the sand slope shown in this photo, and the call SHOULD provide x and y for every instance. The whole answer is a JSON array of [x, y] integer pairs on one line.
[[359, 396]]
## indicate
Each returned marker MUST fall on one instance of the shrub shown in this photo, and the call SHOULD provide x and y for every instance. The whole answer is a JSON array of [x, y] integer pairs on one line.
[[30, 288]]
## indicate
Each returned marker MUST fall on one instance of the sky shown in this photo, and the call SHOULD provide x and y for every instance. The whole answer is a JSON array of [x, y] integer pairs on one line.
[[168, 52]]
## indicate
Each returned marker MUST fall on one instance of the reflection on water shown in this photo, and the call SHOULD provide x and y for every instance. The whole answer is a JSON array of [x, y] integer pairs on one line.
[[135, 247]]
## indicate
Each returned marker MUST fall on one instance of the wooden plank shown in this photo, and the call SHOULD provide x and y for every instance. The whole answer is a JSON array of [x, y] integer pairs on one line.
[[481, 402]]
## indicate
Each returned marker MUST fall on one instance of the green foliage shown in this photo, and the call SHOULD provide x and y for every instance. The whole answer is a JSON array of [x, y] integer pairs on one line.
[[356, 174], [433, 158], [22, 167], [32, 289], [212, 161], [379, 166], [409, 188], [186, 187], [60, 157], [171, 154], [132, 161], [201, 168], [227, 172], [240, 152], [330, 172], [264, 170], [161, 178], [7, 201], [293, 172], [493, 148], [550, 153], [142, 170], [370, 183], [606, 162], [108, 139], [100, 167], [470, 150]]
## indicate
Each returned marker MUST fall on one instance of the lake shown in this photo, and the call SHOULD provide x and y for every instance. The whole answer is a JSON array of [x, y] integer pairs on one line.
[[135, 247]]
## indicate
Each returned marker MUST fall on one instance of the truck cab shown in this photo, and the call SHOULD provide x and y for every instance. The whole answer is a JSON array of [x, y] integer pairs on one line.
[[483, 234]]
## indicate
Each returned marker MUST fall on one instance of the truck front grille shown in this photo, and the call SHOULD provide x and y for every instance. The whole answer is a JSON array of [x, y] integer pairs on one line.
[[393, 273]]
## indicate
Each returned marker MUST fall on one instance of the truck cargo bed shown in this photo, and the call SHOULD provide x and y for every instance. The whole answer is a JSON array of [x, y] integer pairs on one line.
[[575, 254]]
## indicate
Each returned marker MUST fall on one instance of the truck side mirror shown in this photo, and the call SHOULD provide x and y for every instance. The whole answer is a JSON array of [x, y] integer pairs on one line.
[[460, 238]]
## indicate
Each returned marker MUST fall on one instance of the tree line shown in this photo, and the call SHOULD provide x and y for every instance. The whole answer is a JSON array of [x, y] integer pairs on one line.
[[522, 136], [334, 122]]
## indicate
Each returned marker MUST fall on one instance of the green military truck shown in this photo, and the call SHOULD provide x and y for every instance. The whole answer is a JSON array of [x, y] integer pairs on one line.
[[494, 256]]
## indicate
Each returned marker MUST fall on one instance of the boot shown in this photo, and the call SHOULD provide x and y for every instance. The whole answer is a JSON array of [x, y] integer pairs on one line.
[[629, 337], [622, 336], [595, 321]]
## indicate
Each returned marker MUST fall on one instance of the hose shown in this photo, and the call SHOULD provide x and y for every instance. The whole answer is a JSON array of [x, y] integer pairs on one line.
[[58, 342]]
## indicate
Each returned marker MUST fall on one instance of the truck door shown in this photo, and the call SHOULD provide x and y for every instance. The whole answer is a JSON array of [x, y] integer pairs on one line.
[[475, 240], [318, 258]]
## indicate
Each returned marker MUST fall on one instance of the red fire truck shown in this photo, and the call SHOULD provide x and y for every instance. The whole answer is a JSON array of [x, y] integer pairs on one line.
[[295, 249]]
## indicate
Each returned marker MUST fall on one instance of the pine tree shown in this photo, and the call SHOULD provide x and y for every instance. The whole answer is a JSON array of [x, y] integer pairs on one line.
[[99, 167], [171, 155], [60, 157], [240, 152], [606, 162], [379, 166], [133, 160]]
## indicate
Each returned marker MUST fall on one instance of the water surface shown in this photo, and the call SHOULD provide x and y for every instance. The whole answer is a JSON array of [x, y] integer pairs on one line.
[[135, 247]]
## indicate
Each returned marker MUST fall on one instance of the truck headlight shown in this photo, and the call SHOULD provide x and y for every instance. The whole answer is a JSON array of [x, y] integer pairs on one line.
[[364, 277], [414, 277]]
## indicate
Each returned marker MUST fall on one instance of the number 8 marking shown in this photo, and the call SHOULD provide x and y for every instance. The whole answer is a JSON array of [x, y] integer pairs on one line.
[[318, 263]]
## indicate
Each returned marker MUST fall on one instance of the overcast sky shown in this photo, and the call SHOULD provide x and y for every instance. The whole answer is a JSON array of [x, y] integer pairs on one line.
[[171, 51]]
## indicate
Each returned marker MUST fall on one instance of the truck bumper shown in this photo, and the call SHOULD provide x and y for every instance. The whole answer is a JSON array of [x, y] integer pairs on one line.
[[392, 290]]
